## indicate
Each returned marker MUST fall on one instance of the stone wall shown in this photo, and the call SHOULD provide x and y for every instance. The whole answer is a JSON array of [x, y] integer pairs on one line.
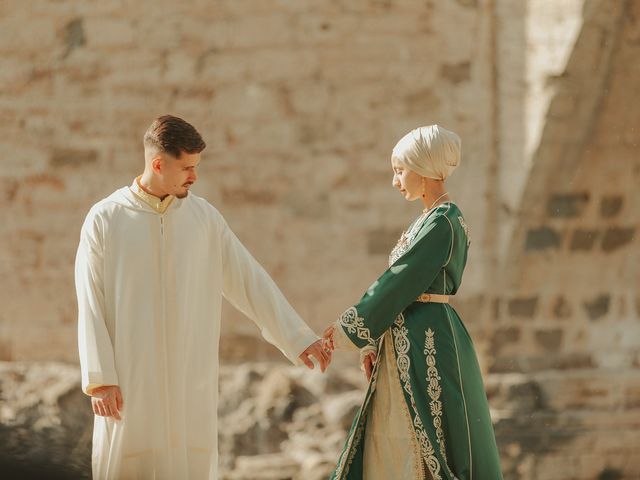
[[567, 316], [300, 103]]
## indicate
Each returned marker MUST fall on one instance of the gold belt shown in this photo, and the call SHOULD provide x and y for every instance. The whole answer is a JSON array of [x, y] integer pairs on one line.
[[433, 298]]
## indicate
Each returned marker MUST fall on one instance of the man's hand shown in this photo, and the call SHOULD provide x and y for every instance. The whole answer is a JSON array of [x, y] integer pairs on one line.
[[367, 363], [320, 352], [107, 401]]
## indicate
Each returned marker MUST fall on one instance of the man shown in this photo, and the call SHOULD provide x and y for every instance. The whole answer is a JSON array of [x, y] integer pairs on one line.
[[153, 263]]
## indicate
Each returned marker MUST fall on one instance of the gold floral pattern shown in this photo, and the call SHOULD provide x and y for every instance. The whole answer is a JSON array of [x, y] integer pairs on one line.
[[401, 343], [434, 390], [466, 229], [354, 324], [346, 459], [404, 242]]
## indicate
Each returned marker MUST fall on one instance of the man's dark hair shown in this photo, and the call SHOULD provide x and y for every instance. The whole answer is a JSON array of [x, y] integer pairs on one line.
[[173, 135]]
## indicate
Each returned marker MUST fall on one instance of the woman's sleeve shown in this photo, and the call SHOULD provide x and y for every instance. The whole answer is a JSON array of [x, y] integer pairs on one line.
[[400, 285]]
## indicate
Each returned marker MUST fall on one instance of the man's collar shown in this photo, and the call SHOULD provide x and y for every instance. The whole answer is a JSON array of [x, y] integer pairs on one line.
[[154, 202]]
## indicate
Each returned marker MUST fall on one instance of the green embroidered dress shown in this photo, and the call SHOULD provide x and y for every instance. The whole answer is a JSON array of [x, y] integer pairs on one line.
[[426, 360]]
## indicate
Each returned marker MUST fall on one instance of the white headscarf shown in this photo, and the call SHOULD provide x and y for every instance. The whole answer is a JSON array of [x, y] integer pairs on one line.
[[432, 151]]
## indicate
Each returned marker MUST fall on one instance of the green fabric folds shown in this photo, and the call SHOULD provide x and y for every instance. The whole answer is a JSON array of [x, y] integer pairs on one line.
[[434, 355]]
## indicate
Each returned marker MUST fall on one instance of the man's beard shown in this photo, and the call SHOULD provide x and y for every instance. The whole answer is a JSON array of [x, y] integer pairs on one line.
[[183, 195]]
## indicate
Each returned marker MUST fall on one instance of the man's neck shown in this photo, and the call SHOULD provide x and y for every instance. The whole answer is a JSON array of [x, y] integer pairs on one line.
[[147, 183]]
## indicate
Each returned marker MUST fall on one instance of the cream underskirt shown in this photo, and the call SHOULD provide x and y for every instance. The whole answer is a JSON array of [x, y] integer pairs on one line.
[[391, 450]]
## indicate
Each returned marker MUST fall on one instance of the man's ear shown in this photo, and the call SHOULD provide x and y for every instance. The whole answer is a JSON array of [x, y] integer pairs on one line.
[[157, 164]]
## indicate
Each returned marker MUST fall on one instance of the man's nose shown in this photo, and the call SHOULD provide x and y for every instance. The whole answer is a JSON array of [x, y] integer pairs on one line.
[[193, 176]]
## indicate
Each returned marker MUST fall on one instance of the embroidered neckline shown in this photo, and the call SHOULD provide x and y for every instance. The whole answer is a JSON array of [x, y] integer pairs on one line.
[[407, 237]]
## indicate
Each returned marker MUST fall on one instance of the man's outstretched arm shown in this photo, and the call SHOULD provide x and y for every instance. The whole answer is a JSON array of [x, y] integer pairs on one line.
[[252, 291]]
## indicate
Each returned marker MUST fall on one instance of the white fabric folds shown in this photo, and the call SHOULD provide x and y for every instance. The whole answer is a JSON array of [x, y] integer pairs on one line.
[[150, 289]]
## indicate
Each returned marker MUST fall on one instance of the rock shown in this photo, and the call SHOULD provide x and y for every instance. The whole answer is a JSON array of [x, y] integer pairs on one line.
[[341, 409], [45, 422]]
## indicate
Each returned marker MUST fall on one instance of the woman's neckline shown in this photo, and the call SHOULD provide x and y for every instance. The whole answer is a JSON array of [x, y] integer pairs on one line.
[[436, 206]]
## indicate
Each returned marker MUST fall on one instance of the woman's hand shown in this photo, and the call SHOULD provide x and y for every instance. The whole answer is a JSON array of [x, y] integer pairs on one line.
[[368, 361], [327, 338]]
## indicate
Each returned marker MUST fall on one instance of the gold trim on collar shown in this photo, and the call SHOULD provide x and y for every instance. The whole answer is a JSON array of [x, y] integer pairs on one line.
[[154, 202]]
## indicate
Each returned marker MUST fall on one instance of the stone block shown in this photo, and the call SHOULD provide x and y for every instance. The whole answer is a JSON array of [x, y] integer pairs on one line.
[[524, 362], [503, 336], [246, 31], [597, 307], [422, 101], [105, 32], [9, 189], [583, 239], [587, 392], [5, 350], [72, 157], [456, 73], [611, 205], [569, 205], [525, 307], [468, 3], [555, 466], [549, 340], [15, 36], [74, 36], [615, 238], [610, 473], [282, 65], [237, 196], [247, 102], [542, 238], [632, 396]]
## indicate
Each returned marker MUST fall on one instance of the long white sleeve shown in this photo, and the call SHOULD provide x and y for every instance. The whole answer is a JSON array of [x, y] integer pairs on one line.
[[94, 342], [252, 291]]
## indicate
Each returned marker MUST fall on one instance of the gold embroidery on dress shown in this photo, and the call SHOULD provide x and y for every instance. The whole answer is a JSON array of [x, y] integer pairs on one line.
[[404, 242], [434, 390], [355, 324], [345, 460], [401, 342], [356, 440], [466, 229]]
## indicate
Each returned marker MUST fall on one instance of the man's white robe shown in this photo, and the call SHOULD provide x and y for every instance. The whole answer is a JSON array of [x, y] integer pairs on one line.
[[150, 290]]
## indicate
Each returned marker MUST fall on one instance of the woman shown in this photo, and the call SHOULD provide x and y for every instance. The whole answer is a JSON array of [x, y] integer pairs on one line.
[[425, 414]]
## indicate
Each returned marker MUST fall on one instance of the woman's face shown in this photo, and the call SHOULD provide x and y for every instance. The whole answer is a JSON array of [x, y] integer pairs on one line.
[[407, 181]]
